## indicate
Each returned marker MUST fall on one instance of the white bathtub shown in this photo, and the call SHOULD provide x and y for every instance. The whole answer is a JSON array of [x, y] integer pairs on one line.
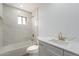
[[17, 49]]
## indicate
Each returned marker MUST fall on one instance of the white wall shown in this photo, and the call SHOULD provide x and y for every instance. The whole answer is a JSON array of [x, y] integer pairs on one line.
[[35, 23], [1, 29], [1, 11], [58, 17], [1, 34], [14, 33]]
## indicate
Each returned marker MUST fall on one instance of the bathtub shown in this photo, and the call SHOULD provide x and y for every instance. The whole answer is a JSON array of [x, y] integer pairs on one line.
[[17, 49]]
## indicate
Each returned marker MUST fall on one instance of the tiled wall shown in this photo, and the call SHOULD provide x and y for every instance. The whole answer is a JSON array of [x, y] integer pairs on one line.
[[12, 31]]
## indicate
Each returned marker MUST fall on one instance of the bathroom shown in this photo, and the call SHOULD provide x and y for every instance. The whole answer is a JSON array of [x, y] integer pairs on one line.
[[39, 26]]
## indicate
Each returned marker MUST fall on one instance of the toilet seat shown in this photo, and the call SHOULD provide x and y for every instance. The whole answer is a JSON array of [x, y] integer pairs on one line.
[[32, 50]]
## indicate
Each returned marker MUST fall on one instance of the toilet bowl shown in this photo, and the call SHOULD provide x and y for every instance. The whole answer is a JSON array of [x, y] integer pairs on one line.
[[33, 50]]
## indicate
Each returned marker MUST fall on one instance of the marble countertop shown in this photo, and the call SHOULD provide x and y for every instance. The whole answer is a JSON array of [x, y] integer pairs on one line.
[[72, 46]]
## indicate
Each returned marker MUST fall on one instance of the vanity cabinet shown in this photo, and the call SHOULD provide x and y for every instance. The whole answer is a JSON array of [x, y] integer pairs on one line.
[[43, 51], [48, 50], [1, 11], [67, 53]]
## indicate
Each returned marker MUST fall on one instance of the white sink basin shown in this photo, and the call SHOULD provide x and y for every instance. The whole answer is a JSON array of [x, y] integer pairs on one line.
[[63, 42], [59, 41], [66, 41]]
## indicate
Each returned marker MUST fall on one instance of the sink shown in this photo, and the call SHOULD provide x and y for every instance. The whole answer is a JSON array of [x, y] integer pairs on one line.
[[65, 42], [59, 41]]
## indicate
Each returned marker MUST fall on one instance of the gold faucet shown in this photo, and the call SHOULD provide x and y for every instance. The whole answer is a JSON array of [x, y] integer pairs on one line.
[[60, 37]]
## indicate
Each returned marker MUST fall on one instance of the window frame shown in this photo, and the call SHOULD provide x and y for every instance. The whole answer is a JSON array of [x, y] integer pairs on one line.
[[22, 22]]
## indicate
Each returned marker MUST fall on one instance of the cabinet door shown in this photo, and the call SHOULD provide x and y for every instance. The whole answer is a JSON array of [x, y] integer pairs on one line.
[[55, 50], [46, 49], [0, 10], [43, 51], [66, 53]]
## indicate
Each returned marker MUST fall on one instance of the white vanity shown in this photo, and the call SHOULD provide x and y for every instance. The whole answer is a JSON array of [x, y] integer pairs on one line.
[[51, 48]]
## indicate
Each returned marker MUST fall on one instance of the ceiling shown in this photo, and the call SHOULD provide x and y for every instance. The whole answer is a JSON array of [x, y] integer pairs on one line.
[[26, 6]]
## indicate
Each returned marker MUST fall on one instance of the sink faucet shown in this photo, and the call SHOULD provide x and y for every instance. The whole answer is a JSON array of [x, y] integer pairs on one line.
[[60, 37]]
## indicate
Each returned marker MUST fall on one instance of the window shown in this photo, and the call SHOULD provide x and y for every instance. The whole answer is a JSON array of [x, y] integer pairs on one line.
[[21, 20], [24, 20]]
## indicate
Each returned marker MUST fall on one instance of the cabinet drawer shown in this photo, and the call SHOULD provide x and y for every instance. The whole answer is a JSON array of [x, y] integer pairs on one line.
[[53, 49], [66, 53]]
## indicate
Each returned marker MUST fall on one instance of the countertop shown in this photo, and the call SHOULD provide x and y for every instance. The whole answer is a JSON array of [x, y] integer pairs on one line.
[[72, 46]]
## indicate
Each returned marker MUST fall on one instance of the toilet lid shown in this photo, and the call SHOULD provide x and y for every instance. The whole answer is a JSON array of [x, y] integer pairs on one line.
[[33, 47]]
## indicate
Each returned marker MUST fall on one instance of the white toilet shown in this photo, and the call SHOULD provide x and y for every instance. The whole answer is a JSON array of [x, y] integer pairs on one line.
[[33, 50]]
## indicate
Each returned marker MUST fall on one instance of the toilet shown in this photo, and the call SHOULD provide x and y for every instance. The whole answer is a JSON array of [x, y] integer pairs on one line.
[[33, 50]]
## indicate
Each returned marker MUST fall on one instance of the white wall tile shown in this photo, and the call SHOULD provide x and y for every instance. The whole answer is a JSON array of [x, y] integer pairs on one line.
[[13, 32]]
